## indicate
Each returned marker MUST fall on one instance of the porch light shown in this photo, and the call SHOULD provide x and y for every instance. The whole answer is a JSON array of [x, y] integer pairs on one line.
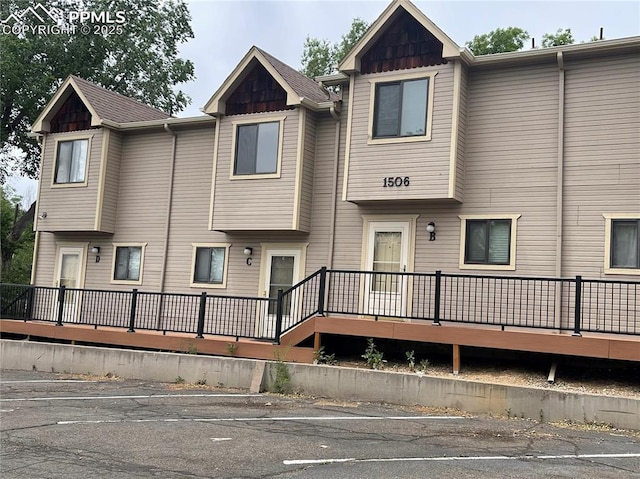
[[95, 250], [431, 229], [248, 250], [42, 215]]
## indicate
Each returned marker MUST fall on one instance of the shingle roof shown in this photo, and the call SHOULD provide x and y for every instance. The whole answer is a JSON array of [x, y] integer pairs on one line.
[[112, 106], [303, 86]]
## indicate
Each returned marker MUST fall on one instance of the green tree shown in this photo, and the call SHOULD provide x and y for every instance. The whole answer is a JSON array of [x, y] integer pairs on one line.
[[138, 58], [321, 57], [17, 238], [561, 37], [500, 40]]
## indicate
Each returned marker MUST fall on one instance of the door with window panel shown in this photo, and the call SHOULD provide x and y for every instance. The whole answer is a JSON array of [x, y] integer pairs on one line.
[[385, 290], [282, 271], [69, 269]]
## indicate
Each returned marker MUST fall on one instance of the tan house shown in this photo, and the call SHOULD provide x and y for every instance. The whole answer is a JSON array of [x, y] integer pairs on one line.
[[417, 156]]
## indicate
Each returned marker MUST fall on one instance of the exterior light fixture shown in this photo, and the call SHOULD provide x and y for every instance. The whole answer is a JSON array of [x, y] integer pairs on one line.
[[248, 251], [431, 229], [96, 250], [42, 215]]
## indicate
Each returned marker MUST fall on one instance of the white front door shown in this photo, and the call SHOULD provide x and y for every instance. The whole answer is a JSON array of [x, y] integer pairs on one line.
[[387, 253], [282, 270], [69, 270]]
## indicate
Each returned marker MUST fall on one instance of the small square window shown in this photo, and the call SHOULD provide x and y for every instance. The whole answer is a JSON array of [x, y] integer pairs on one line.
[[257, 149], [71, 161], [488, 242], [128, 263], [625, 243], [209, 265], [400, 108]]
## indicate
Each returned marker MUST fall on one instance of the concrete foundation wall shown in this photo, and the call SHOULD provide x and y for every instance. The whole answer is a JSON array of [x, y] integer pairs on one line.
[[328, 381]]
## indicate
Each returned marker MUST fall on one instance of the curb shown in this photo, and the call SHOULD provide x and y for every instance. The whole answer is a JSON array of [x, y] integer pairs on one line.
[[349, 384]]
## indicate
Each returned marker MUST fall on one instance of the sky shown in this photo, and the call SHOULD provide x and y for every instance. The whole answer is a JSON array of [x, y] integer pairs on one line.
[[225, 30]]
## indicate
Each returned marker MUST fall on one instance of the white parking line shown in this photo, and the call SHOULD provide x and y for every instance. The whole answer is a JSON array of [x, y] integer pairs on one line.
[[151, 396], [303, 462], [270, 419], [52, 381]]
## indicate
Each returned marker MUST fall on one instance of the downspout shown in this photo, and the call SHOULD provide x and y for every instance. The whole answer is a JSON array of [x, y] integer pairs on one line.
[[334, 192], [169, 204], [560, 185]]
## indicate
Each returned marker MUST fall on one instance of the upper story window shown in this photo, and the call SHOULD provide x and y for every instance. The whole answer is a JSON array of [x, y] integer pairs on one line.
[[401, 108], [622, 243], [210, 265], [71, 162], [488, 242], [257, 147], [127, 263]]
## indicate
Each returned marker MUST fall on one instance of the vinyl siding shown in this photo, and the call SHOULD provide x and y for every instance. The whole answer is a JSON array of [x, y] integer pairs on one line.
[[255, 204], [426, 163], [462, 127], [602, 157], [143, 199], [323, 184], [69, 208], [511, 156], [306, 189], [112, 183]]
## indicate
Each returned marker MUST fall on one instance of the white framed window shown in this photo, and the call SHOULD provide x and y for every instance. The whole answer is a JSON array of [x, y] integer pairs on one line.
[[128, 262], [257, 148], [210, 262], [71, 162], [488, 241], [401, 108], [622, 244]]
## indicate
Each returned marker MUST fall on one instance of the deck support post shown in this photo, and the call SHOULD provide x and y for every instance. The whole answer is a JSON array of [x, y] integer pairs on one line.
[[456, 359], [317, 343]]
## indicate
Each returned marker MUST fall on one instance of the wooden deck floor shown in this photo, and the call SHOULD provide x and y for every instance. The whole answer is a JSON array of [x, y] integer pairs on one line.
[[606, 346]]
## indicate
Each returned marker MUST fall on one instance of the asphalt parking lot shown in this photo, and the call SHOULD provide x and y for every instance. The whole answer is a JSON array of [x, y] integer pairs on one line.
[[55, 426]]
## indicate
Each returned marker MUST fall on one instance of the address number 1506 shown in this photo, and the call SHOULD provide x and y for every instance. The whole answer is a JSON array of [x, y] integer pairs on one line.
[[395, 181]]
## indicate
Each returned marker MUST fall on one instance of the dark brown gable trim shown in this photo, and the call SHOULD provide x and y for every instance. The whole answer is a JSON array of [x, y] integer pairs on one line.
[[258, 92], [72, 116], [404, 44]]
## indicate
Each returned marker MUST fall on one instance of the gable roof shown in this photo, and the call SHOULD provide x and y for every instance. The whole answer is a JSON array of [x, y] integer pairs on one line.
[[103, 104], [302, 85], [351, 62], [300, 89]]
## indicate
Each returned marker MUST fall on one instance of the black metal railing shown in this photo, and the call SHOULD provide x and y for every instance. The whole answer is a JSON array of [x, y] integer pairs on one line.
[[300, 302], [572, 304], [199, 314]]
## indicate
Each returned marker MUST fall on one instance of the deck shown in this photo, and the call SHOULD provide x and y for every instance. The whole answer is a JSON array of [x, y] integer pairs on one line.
[[593, 345]]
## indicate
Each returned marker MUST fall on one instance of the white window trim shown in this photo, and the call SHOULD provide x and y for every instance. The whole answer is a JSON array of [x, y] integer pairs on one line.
[[195, 284], [113, 262], [63, 139], [372, 102], [512, 247], [252, 121], [608, 219]]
